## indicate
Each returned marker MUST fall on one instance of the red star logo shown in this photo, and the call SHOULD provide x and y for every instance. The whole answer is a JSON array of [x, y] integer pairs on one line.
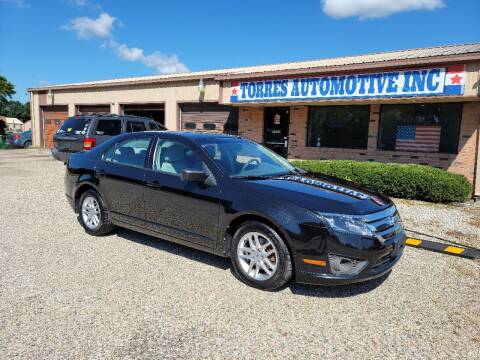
[[234, 91], [456, 79]]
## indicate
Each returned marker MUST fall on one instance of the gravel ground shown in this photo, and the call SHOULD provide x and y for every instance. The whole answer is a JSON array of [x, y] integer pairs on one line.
[[64, 294]]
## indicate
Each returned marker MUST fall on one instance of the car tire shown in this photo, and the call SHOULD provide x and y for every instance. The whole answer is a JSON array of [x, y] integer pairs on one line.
[[246, 262], [27, 144], [93, 214]]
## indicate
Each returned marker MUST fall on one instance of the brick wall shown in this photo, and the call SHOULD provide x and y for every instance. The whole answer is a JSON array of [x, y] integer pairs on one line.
[[461, 163], [464, 163], [250, 123]]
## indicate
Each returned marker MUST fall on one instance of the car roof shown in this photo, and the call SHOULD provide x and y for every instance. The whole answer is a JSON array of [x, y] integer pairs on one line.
[[113, 116], [197, 135], [193, 137]]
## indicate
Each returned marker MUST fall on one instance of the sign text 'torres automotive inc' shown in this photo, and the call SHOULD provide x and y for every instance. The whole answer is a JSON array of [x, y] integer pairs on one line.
[[406, 83]]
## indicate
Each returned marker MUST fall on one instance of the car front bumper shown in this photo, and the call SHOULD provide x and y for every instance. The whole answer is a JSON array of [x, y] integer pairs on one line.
[[380, 262]]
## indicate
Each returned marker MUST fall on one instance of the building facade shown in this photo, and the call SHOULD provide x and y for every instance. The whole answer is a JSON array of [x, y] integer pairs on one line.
[[416, 106]]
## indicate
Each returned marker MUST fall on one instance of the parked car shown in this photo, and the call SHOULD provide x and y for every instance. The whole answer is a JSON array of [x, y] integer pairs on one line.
[[84, 132], [234, 198], [20, 139]]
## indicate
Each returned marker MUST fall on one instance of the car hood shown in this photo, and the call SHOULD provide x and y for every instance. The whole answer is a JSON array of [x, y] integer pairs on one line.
[[321, 194]]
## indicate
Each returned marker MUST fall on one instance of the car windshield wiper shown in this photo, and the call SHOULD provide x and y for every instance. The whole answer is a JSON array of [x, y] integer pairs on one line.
[[299, 171]]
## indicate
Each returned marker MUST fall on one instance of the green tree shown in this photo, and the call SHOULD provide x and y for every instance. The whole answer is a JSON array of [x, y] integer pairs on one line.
[[7, 89], [16, 109]]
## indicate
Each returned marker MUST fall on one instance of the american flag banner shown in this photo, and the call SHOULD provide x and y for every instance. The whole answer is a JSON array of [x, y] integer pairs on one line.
[[418, 138]]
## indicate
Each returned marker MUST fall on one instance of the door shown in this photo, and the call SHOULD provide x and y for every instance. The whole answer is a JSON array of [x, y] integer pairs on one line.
[[53, 118], [93, 109], [184, 210], [210, 117], [121, 175], [275, 135]]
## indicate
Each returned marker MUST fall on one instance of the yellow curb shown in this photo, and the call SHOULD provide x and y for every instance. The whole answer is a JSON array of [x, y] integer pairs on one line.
[[454, 250], [413, 242]]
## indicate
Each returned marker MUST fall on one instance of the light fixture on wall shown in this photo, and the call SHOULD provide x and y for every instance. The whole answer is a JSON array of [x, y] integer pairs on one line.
[[201, 86], [50, 96]]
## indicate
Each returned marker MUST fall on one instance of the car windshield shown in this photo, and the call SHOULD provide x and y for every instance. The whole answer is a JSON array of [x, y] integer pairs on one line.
[[75, 125], [243, 158]]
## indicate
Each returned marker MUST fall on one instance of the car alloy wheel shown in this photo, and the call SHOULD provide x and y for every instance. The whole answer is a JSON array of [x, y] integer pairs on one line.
[[257, 256], [91, 212]]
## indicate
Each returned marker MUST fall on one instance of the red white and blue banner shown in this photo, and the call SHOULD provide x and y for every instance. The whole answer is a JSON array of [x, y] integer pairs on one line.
[[441, 81]]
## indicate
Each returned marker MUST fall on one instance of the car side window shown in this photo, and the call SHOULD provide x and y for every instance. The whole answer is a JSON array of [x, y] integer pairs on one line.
[[153, 126], [131, 152], [173, 157], [110, 127], [135, 126]]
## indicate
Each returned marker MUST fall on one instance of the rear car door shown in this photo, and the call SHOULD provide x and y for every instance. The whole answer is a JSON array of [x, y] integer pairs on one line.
[[185, 210], [121, 175], [69, 138]]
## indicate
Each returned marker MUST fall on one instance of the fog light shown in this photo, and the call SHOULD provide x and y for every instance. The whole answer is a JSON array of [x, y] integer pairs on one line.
[[340, 265]]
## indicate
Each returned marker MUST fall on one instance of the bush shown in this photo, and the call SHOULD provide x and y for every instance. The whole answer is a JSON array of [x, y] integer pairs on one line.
[[408, 181]]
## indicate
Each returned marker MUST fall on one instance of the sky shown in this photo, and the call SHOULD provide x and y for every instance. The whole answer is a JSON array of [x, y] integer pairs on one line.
[[45, 42]]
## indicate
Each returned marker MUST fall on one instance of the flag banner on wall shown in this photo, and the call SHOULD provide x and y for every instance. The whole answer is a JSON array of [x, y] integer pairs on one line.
[[443, 81], [418, 138]]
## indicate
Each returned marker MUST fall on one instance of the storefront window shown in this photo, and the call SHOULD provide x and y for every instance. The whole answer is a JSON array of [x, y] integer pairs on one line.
[[338, 126], [420, 127]]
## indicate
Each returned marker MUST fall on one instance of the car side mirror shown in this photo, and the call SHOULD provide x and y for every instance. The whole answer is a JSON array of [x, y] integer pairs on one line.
[[193, 175]]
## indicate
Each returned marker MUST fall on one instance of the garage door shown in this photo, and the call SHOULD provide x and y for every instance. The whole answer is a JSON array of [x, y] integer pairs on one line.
[[210, 117], [93, 109], [153, 111], [53, 117]]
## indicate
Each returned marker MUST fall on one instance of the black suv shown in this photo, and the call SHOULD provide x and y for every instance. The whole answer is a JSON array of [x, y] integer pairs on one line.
[[84, 132]]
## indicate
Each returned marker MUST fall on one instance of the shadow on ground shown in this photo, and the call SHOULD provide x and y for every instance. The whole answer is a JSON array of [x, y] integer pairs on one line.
[[175, 249], [341, 291]]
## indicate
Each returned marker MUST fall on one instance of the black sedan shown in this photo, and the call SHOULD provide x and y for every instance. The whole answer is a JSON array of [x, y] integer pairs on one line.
[[235, 198]]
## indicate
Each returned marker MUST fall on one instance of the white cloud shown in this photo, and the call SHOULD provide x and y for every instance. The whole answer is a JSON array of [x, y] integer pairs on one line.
[[366, 9], [164, 64], [103, 26], [124, 52], [87, 28]]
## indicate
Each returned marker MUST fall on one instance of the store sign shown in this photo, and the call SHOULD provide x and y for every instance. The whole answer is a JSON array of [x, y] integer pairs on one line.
[[419, 82]]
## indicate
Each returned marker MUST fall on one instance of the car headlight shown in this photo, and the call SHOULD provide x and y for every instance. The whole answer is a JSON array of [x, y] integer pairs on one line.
[[348, 224]]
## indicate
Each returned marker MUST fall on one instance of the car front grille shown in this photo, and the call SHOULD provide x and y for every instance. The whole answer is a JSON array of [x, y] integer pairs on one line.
[[383, 262], [387, 223]]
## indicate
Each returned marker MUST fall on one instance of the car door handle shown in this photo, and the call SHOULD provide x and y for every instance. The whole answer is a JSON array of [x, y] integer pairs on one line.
[[153, 184]]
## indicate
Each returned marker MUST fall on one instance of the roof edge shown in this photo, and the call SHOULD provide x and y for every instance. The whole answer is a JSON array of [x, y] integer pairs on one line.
[[236, 73], [427, 61]]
